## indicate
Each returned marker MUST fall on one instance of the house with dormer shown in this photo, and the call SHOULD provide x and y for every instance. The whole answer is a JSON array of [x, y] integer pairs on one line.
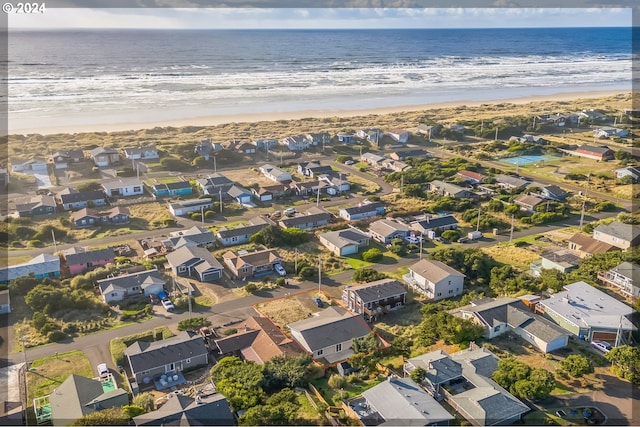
[[296, 142], [141, 153], [248, 264]]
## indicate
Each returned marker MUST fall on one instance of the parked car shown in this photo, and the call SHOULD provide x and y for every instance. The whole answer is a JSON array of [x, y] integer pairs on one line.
[[103, 371], [438, 239], [412, 239], [289, 211], [463, 240], [318, 302], [167, 304], [603, 346], [280, 269], [154, 299], [349, 162]]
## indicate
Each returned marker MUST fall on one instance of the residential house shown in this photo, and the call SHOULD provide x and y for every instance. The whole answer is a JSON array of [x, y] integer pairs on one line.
[[328, 334], [610, 132], [456, 127], [344, 242], [312, 218], [246, 148], [172, 189], [559, 120], [31, 165], [430, 224], [372, 159], [397, 401], [499, 316], [471, 176], [42, 266], [168, 357], [408, 154], [214, 184], [104, 156], [554, 192], [188, 261], [242, 234], [399, 135], [269, 192], [240, 194], [625, 277], [346, 137], [141, 153], [362, 211], [195, 236], [265, 144], [385, 230], [313, 169], [395, 165], [435, 279], [308, 188], [632, 171], [464, 380], [527, 202], [592, 152], [35, 205], [205, 408], [73, 199], [206, 148], [274, 173], [79, 396], [319, 139], [372, 135], [118, 288], [448, 189], [258, 340], [586, 246], [559, 259], [510, 182], [529, 139], [335, 182], [375, 298], [296, 143], [185, 207], [90, 217], [248, 264], [123, 187], [61, 159], [618, 234], [589, 313], [5, 302], [79, 259], [424, 129]]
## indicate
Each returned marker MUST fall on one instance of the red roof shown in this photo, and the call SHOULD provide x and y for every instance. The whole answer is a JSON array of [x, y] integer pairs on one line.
[[473, 175]]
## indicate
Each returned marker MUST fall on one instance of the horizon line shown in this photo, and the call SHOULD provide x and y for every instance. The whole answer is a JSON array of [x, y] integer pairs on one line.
[[520, 27]]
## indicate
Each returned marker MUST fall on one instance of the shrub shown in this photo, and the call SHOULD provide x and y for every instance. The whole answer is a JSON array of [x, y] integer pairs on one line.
[[280, 281], [230, 331], [307, 272], [250, 287], [451, 235], [55, 336], [337, 381], [399, 250], [209, 214], [48, 327], [35, 243], [193, 324], [169, 222], [372, 255], [70, 328], [38, 320], [366, 275]]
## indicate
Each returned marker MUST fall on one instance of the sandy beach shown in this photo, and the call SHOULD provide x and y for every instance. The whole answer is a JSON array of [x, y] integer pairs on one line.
[[96, 126]]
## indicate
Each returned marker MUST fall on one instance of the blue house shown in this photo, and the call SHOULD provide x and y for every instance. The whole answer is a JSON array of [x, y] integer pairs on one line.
[[346, 138], [241, 194], [42, 266], [179, 188]]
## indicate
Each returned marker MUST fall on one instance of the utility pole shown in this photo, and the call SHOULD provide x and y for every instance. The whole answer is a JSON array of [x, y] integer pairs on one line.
[[401, 182], [220, 197], [517, 167], [582, 215], [55, 246], [318, 198], [496, 138], [319, 274], [478, 223], [511, 233], [421, 239], [189, 300]]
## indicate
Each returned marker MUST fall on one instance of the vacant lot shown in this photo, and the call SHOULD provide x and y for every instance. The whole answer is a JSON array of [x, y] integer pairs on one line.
[[283, 311], [512, 255]]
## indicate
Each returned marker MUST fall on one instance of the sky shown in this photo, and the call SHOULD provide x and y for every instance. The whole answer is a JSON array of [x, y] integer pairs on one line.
[[318, 18]]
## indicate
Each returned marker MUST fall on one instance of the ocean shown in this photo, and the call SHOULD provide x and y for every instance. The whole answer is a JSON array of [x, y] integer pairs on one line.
[[67, 78]]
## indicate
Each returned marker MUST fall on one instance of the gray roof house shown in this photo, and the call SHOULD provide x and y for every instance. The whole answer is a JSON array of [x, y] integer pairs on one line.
[[214, 183], [123, 187], [375, 298], [195, 262], [168, 357], [196, 236], [446, 222], [618, 234], [242, 234], [274, 173], [588, 313], [398, 402], [435, 279], [512, 315], [365, 210], [312, 218], [240, 194], [207, 408], [624, 277], [144, 283], [471, 390], [41, 266], [448, 189], [79, 396], [82, 199], [562, 260], [344, 242], [511, 182], [385, 230], [328, 335], [39, 204]]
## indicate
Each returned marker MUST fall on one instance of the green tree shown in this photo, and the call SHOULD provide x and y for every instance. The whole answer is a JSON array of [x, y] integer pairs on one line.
[[418, 375], [240, 382], [538, 385], [145, 401], [193, 324], [626, 362], [365, 344], [577, 365], [337, 381], [511, 370], [450, 235], [286, 371], [279, 409], [372, 255], [366, 275], [133, 410], [106, 417]]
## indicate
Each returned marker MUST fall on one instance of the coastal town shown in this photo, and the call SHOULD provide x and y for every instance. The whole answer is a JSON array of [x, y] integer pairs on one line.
[[440, 271]]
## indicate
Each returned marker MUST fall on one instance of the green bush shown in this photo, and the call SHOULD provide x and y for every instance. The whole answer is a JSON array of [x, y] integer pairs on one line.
[[280, 281], [230, 331], [55, 336], [169, 222], [307, 272], [250, 287], [336, 382], [35, 243], [193, 324], [372, 255]]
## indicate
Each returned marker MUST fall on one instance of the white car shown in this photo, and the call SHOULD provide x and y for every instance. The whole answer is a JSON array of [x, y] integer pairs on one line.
[[167, 304], [349, 162], [604, 347], [412, 239], [280, 269], [103, 371], [290, 211]]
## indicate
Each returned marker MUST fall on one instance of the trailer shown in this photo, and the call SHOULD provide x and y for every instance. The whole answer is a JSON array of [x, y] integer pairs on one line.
[[474, 235]]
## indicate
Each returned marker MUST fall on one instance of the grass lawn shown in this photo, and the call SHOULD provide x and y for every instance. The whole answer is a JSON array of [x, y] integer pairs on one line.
[[350, 390], [284, 310], [355, 262], [306, 412], [48, 373], [512, 255]]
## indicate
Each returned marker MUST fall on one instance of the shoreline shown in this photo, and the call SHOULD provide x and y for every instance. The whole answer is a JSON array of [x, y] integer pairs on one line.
[[215, 120]]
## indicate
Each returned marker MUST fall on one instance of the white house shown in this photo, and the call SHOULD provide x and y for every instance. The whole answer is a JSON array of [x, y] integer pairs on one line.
[[399, 135], [123, 187], [435, 279], [187, 206], [141, 153], [344, 242], [274, 173], [296, 143]]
